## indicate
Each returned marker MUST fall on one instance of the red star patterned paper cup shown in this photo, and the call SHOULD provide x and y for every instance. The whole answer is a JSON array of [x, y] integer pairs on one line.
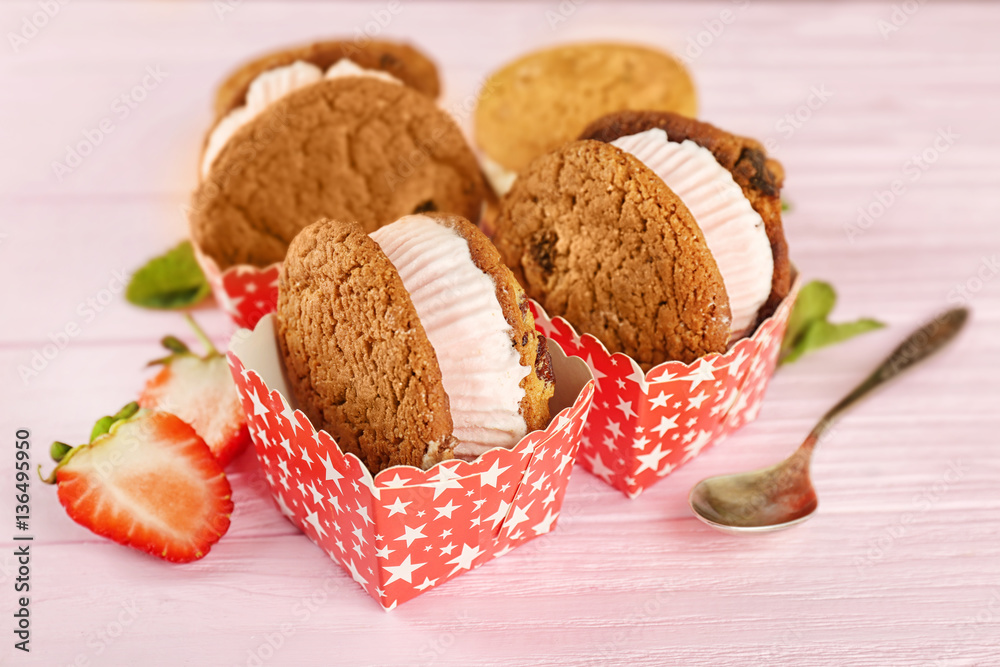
[[247, 293], [643, 426], [407, 530]]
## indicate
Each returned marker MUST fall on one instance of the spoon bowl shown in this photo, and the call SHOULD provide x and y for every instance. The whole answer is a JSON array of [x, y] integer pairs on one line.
[[761, 501], [782, 495]]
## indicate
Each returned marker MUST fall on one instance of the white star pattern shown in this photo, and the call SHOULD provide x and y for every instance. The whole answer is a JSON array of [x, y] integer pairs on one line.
[[711, 395], [520, 515], [427, 583], [465, 559], [411, 534], [305, 455], [697, 445], [661, 400], [258, 406], [665, 425], [545, 525], [355, 574], [331, 473], [695, 401], [316, 495], [500, 514], [445, 510], [342, 508], [313, 519], [651, 461], [403, 571], [396, 482], [737, 362], [625, 407], [398, 507], [489, 478], [363, 513], [598, 468], [703, 373], [539, 483], [446, 478]]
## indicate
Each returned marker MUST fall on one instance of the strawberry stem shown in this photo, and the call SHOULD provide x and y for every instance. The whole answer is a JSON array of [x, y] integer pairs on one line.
[[51, 479], [202, 336]]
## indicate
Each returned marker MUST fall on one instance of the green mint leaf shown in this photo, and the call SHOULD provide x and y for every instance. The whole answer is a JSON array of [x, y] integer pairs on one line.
[[172, 280], [808, 327], [815, 302], [822, 333]]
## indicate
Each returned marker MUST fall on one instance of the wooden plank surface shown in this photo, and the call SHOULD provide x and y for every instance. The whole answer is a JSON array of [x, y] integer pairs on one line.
[[900, 566]]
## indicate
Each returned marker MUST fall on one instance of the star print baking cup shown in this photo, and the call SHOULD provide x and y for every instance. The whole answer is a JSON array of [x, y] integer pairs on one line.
[[245, 292], [406, 530], [643, 426]]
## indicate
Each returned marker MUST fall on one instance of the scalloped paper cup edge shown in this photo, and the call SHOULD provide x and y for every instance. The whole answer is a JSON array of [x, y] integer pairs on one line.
[[643, 426], [245, 292], [407, 530]]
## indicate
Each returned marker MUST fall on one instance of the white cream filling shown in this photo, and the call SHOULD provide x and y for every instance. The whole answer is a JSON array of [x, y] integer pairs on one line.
[[500, 178], [734, 232], [271, 86], [480, 369]]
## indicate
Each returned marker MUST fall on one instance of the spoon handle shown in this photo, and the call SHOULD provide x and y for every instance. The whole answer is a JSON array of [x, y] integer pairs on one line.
[[919, 345]]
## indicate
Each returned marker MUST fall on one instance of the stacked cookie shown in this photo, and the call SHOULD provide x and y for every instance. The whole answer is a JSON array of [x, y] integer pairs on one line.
[[404, 331], [543, 99], [329, 130], [658, 234], [413, 345]]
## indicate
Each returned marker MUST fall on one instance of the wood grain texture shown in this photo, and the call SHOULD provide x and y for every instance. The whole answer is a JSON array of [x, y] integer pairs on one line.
[[900, 566]]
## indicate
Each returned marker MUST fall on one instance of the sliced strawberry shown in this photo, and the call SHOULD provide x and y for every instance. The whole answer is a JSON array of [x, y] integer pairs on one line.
[[201, 391], [150, 482]]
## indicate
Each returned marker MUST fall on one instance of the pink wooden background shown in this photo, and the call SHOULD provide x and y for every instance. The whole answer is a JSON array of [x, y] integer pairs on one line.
[[900, 566]]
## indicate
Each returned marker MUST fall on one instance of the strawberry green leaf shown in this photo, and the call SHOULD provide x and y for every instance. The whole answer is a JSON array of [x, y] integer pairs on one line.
[[808, 326], [59, 450], [102, 426], [172, 280]]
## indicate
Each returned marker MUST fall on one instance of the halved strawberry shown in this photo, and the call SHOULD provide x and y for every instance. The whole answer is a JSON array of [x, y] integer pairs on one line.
[[201, 391], [148, 481]]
